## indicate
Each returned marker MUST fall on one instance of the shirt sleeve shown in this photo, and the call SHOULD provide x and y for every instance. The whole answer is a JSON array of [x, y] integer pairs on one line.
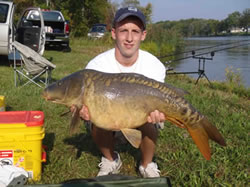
[[97, 64], [158, 70], [162, 74], [104, 62], [92, 65]]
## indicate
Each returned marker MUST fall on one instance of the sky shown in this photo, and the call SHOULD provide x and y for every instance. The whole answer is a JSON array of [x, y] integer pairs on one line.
[[184, 9]]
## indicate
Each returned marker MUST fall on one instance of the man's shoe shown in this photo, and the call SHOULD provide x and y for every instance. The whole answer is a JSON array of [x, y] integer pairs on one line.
[[110, 167], [150, 171]]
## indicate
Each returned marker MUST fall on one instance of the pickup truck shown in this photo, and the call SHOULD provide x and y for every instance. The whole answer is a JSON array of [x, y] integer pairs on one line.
[[56, 28], [35, 28], [6, 27], [30, 30], [52, 22]]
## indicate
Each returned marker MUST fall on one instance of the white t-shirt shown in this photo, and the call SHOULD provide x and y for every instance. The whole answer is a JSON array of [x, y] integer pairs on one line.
[[146, 64]]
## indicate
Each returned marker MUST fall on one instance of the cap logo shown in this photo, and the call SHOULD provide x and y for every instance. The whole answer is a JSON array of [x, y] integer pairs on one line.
[[134, 9]]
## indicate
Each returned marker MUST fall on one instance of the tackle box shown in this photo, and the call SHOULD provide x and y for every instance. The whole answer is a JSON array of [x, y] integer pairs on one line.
[[21, 135]]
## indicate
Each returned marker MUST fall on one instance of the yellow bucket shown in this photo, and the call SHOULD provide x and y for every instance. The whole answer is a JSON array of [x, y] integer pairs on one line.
[[21, 134], [2, 103]]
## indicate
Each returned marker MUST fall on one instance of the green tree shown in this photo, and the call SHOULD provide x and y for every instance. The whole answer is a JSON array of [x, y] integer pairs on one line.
[[233, 20], [113, 7], [21, 5], [127, 3], [147, 11], [223, 26], [245, 19], [82, 14], [214, 26]]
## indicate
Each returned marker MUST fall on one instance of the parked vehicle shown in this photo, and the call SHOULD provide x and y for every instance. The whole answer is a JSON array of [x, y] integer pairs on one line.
[[30, 30], [6, 27], [56, 28], [97, 31], [34, 29]]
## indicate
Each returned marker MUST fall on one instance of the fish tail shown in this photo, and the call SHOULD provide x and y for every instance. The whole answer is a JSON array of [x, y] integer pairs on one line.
[[213, 132], [200, 138], [75, 121], [204, 131]]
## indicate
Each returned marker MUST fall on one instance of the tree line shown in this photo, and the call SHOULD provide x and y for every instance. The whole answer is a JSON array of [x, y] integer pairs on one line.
[[210, 27], [82, 14]]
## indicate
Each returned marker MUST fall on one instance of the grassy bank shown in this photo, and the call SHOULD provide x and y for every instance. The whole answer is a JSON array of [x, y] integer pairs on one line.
[[227, 106]]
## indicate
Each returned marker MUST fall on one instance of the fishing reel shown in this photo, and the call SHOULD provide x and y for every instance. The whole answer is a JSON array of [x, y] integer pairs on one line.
[[212, 55]]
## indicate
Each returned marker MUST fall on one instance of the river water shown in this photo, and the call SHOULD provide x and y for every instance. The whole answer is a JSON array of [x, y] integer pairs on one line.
[[236, 58]]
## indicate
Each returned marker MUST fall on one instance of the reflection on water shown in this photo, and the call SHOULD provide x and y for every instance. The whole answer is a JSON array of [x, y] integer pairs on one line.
[[238, 57]]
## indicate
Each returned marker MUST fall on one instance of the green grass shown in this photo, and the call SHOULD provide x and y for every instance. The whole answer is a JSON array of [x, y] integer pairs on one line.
[[226, 106]]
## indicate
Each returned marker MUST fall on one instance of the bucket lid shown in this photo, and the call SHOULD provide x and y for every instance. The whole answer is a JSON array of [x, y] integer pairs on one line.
[[29, 118]]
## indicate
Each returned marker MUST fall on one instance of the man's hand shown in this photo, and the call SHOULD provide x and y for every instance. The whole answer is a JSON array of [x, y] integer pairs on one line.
[[156, 117], [84, 112]]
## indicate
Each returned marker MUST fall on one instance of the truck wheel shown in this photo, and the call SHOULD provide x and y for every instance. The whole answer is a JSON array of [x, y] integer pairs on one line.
[[67, 48]]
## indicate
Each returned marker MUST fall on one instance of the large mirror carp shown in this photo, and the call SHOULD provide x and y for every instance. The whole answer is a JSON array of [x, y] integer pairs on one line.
[[122, 102]]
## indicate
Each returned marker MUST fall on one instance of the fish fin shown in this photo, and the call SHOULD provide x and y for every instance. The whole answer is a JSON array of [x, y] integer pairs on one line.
[[133, 136], [213, 132], [200, 138], [176, 122], [65, 113], [75, 121]]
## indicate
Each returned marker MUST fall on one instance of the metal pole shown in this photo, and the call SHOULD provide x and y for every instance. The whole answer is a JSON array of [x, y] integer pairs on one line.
[[14, 51]]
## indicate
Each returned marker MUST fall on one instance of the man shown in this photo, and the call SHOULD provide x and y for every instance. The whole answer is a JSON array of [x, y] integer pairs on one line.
[[129, 29]]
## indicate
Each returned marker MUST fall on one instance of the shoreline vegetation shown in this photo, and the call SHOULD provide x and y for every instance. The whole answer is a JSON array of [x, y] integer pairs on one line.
[[224, 35], [226, 105]]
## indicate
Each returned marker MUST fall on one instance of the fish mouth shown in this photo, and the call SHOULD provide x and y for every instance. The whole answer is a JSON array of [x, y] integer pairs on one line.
[[46, 96], [53, 100]]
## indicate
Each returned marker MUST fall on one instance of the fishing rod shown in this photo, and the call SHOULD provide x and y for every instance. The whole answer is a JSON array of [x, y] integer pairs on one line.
[[191, 56], [201, 65], [229, 43]]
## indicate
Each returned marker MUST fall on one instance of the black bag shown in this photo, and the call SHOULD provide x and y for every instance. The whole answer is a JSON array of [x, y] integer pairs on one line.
[[112, 181]]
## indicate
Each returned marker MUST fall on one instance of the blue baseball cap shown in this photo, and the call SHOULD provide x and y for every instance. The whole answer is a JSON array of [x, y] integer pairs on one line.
[[123, 13]]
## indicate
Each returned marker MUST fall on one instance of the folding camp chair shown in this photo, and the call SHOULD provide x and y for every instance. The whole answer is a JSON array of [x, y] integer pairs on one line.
[[32, 67]]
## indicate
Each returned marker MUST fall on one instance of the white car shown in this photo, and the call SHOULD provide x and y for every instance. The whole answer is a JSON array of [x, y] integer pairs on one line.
[[97, 31], [6, 27]]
